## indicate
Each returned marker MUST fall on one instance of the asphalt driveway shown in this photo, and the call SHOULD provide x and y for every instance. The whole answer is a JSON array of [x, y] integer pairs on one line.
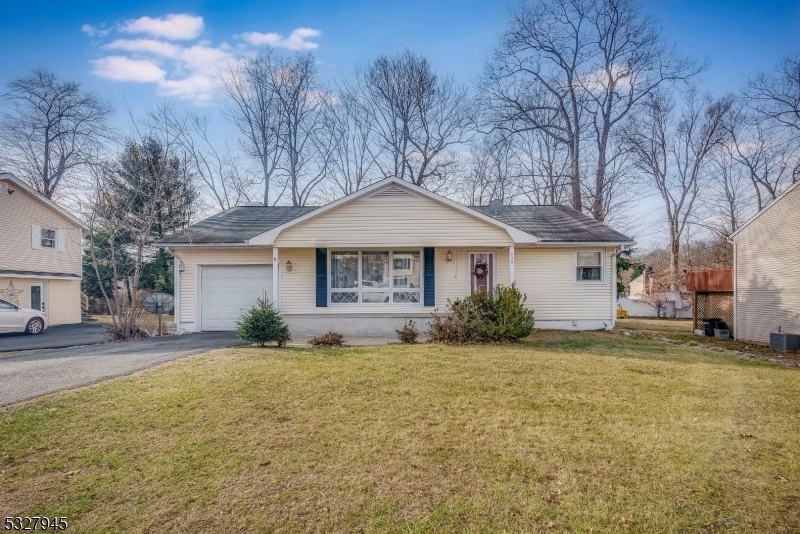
[[29, 375], [55, 337]]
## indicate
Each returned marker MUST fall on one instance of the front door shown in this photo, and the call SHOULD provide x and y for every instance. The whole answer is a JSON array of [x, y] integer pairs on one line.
[[37, 297], [481, 272]]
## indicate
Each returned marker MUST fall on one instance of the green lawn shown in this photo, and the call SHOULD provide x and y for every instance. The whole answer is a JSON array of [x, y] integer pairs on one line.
[[589, 432]]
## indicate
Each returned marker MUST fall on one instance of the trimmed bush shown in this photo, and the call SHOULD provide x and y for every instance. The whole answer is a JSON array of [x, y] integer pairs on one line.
[[501, 317], [263, 324], [409, 333], [327, 341]]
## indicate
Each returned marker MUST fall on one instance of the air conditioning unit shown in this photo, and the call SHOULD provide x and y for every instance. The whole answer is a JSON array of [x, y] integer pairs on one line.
[[3, 188], [784, 342]]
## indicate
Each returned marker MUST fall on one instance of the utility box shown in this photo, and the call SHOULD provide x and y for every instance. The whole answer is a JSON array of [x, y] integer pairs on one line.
[[784, 342]]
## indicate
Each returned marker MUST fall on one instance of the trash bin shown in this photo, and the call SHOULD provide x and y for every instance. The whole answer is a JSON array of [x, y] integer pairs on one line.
[[709, 324], [721, 330]]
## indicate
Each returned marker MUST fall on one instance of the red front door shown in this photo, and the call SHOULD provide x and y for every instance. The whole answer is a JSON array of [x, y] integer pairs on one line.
[[481, 269]]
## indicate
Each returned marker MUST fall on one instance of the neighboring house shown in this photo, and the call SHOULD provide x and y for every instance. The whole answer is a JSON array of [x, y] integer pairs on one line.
[[40, 253], [641, 286], [371, 261], [766, 270]]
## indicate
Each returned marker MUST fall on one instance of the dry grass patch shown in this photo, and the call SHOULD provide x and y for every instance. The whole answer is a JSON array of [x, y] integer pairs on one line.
[[569, 433]]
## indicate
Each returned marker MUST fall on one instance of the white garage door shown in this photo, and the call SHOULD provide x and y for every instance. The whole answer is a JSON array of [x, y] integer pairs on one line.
[[228, 290]]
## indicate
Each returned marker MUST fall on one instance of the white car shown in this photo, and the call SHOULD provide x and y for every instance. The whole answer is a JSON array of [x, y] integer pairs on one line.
[[16, 319]]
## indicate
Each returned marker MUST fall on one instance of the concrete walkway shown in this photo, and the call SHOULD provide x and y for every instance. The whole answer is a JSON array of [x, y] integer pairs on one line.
[[25, 376]]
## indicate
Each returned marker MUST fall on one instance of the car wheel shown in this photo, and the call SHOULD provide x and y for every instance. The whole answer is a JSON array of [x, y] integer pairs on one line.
[[35, 326]]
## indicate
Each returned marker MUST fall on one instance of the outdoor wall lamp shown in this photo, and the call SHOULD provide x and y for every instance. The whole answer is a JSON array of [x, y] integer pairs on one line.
[[449, 256], [181, 266], [289, 266]]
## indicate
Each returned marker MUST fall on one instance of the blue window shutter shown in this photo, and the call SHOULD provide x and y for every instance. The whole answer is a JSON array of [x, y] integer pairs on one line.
[[322, 278], [430, 278]]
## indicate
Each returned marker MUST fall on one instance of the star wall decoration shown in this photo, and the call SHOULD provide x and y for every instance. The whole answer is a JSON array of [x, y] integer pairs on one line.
[[10, 293]]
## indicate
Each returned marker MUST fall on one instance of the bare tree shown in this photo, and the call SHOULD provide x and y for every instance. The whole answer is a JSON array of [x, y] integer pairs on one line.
[[225, 179], [729, 201], [544, 168], [50, 129], [632, 60], [777, 95], [570, 67], [675, 155], [256, 112], [492, 171], [301, 101], [418, 116], [352, 143], [766, 149]]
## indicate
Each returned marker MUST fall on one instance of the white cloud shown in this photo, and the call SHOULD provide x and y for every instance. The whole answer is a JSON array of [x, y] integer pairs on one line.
[[121, 68], [175, 27], [189, 71], [297, 40], [90, 30]]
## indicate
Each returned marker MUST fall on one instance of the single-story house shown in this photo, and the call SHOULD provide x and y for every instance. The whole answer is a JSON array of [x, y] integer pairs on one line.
[[40, 253], [766, 270], [392, 252]]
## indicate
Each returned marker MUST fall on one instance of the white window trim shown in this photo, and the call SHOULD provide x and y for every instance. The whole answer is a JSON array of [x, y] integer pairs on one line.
[[603, 267], [391, 289]]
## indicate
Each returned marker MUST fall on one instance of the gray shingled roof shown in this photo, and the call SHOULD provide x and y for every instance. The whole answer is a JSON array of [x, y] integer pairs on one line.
[[238, 224], [557, 224], [548, 223]]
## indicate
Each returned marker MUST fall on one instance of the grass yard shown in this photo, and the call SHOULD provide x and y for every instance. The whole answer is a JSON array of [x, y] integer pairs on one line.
[[589, 432]]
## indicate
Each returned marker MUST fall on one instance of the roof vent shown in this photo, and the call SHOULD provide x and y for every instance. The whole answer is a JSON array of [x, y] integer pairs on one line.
[[3, 188], [392, 192], [495, 208], [251, 204]]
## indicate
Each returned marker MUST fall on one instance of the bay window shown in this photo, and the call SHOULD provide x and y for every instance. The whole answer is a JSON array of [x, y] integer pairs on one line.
[[376, 277]]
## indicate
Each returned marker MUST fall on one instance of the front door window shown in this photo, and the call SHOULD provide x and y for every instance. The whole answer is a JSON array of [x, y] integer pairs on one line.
[[481, 268], [36, 297]]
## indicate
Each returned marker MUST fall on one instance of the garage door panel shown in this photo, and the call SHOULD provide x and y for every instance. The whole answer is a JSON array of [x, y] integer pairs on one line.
[[228, 291]]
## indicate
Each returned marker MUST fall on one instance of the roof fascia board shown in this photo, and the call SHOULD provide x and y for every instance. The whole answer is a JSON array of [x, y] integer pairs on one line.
[[584, 243], [42, 276], [768, 206], [268, 237], [38, 196], [202, 245]]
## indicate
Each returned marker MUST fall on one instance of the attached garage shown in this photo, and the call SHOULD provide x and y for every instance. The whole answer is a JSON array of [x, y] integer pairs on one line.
[[226, 291]]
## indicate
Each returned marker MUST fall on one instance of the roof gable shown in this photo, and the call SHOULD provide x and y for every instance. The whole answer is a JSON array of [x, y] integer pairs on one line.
[[767, 207], [43, 200], [392, 189]]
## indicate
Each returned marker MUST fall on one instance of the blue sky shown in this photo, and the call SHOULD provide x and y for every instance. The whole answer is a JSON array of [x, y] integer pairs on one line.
[[72, 38], [738, 38]]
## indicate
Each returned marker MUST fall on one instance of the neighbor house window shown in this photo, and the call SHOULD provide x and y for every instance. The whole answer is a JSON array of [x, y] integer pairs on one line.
[[589, 266], [376, 277], [48, 238]]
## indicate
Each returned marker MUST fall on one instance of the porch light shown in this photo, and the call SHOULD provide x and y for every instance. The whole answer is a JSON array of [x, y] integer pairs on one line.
[[289, 266], [449, 256], [181, 266]]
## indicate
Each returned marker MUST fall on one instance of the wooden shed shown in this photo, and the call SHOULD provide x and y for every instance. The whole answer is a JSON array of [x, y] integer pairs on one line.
[[712, 295]]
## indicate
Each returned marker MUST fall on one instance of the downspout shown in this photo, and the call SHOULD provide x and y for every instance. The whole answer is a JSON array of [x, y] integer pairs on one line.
[[735, 326], [176, 278], [613, 288]]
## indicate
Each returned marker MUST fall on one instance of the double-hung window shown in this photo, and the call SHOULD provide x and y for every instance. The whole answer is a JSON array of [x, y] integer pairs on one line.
[[376, 277], [589, 266], [48, 238]]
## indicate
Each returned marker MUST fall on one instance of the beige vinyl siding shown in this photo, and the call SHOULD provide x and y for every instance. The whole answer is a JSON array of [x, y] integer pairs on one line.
[[397, 222], [192, 257], [19, 212], [298, 288], [547, 277], [62, 298], [767, 268]]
